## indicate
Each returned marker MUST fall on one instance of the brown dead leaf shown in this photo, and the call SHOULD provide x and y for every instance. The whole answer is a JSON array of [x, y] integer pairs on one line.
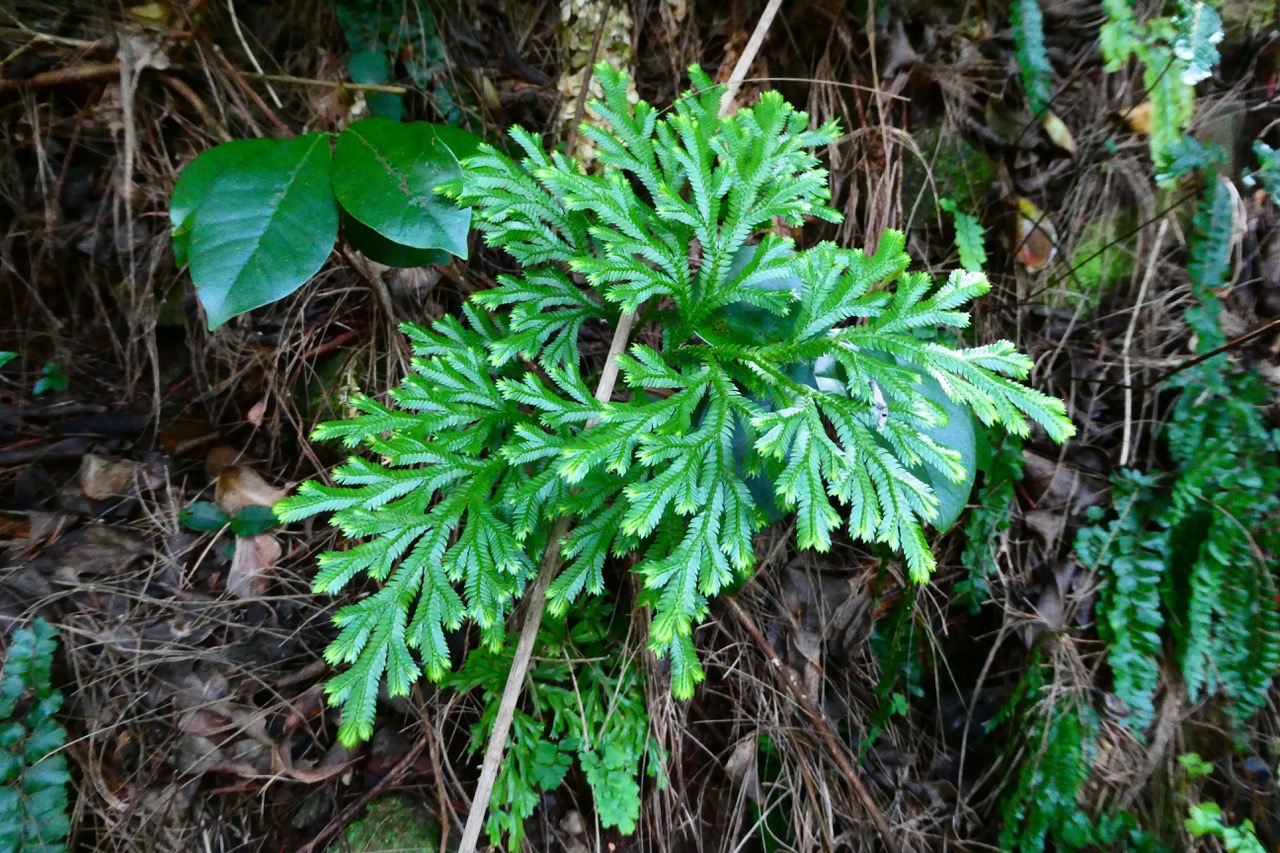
[[1037, 238], [1047, 525], [256, 413], [240, 486], [335, 761], [186, 435], [249, 575], [29, 529], [102, 477], [743, 769], [1139, 118], [1055, 485]]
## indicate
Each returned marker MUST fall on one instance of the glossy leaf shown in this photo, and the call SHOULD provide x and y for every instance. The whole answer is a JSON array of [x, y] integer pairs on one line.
[[203, 515], [51, 379], [261, 225], [253, 520], [377, 248], [196, 184], [959, 433], [385, 175]]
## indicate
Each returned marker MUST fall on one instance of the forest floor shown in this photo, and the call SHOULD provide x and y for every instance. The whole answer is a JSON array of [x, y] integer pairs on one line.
[[191, 658]]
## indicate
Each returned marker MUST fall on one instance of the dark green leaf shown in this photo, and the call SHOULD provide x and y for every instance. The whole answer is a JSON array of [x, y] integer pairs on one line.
[[749, 324], [197, 182], [375, 247], [6, 357], [265, 228], [51, 379], [959, 433], [203, 515], [372, 66], [253, 520], [386, 174]]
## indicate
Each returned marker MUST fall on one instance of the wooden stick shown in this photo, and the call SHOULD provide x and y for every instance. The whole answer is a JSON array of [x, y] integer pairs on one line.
[[536, 605], [92, 72]]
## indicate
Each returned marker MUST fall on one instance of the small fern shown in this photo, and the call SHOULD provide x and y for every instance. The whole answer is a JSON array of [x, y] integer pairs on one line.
[[1268, 171], [580, 714], [1198, 32], [989, 519], [1045, 804], [1224, 506], [33, 770], [495, 433], [1203, 538], [1210, 264], [1134, 560], [969, 237]]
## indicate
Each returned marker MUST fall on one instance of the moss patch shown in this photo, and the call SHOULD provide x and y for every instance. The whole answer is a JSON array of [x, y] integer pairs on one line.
[[960, 172], [1103, 256], [396, 824]]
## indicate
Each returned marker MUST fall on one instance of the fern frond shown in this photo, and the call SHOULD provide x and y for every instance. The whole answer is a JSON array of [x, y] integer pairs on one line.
[[495, 432], [1199, 30], [1210, 265], [1121, 36], [33, 769], [1033, 58], [1133, 562], [969, 237]]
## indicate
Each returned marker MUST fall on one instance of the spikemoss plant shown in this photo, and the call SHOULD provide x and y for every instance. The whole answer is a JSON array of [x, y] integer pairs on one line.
[[495, 433]]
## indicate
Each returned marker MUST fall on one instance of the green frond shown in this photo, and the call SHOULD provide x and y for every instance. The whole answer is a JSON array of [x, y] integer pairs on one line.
[[1121, 35], [586, 550], [799, 373], [1210, 264], [34, 811], [969, 237], [1033, 58], [1133, 561], [1199, 31]]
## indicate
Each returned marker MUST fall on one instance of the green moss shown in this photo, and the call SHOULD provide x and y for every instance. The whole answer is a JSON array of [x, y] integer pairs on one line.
[[1103, 255], [960, 172], [1241, 17], [393, 824]]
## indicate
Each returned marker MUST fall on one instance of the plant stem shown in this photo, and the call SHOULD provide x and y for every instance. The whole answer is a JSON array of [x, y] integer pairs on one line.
[[536, 598]]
